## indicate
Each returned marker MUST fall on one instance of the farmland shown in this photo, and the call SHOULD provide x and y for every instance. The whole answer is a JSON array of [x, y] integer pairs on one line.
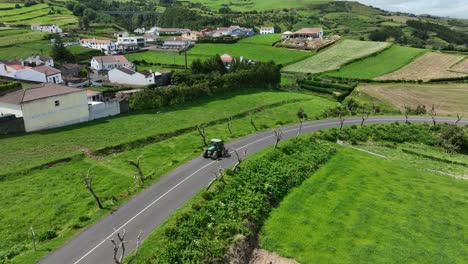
[[114, 180], [255, 48], [462, 66], [431, 65], [259, 5], [383, 63], [336, 56], [451, 98], [360, 208], [40, 13]]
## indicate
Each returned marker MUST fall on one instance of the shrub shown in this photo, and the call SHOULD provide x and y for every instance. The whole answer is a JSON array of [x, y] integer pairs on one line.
[[47, 235]]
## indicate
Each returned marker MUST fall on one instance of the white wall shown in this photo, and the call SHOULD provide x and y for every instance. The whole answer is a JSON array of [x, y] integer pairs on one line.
[[6, 109], [116, 76], [30, 75], [43, 114], [58, 78], [103, 109]]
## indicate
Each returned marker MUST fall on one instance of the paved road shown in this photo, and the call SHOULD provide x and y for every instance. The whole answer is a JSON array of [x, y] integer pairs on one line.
[[152, 206]]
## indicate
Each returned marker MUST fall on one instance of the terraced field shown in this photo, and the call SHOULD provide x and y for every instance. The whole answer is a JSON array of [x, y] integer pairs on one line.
[[336, 56], [40, 13], [383, 63], [432, 65], [259, 5], [449, 99], [461, 67]]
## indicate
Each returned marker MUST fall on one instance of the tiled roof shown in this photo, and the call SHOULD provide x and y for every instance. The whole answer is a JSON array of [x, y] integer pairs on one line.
[[308, 31], [112, 59], [47, 70], [40, 92]]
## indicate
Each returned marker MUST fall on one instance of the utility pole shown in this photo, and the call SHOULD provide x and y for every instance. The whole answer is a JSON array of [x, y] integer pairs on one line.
[[33, 236]]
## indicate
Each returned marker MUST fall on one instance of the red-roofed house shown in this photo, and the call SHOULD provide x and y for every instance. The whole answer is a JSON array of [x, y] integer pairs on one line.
[[41, 73], [227, 60], [105, 45], [303, 33]]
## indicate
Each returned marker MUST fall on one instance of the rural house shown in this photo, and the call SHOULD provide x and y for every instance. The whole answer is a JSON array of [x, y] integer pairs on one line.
[[127, 43], [233, 31], [104, 45], [110, 62], [267, 30], [308, 33], [227, 60], [167, 31], [178, 43], [46, 28], [41, 73], [46, 106], [130, 77], [38, 60], [192, 35]]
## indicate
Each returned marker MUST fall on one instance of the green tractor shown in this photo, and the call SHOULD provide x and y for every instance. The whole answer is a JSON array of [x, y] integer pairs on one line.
[[216, 149]]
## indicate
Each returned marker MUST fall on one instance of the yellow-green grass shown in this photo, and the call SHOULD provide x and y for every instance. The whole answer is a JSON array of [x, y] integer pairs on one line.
[[25, 37], [385, 62], [360, 208], [337, 55], [24, 151], [259, 51], [259, 5], [38, 14], [267, 39], [66, 199]]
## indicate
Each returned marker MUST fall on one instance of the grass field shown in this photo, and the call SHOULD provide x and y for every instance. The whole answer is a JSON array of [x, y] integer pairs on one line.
[[360, 208], [383, 63], [255, 48], [449, 99], [336, 56], [431, 65], [259, 5], [69, 207], [38, 14]]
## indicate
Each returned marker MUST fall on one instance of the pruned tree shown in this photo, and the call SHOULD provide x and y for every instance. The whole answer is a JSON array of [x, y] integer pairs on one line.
[[201, 131], [406, 112], [88, 181], [252, 121], [342, 120], [239, 159], [349, 107], [364, 118], [119, 246], [459, 118], [229, 126], [433, 114], [278, 136], [301, 122], [219, 174], [136, 164]]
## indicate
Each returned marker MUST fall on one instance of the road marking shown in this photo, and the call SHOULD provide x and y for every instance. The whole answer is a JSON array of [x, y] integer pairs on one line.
[[383, 119]]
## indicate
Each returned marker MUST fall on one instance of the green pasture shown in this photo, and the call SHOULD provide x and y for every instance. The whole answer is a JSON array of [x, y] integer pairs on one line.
[[337, 55], [382, 63], [259, 5], [114, 177], [360, 208]]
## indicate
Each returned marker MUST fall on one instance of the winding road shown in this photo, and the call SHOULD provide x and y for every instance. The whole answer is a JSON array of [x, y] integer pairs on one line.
[[151, 207]]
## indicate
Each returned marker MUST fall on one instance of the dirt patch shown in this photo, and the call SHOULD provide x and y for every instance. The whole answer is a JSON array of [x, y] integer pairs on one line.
[[430, 66], [461, 67], [448, 99], [309, 44], [261, 256]]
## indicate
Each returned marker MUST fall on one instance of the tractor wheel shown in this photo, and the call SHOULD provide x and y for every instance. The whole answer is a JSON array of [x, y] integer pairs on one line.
[[215, 155], [205, 154], [223, 152]]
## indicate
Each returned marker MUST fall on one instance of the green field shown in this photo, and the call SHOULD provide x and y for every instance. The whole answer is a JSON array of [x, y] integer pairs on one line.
[[255, 48], [337, 55], [360, 208], [385, 62], [66, 199], [259, 5], [38, 14]]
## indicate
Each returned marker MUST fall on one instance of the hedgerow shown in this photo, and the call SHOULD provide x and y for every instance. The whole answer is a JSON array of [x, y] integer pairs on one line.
[[233, 210]]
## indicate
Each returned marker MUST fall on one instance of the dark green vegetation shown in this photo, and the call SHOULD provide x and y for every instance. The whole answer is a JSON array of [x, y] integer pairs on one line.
[[167, 138], [361, 208], [382, 63], [229, 214], [207, 78], [339, 90]]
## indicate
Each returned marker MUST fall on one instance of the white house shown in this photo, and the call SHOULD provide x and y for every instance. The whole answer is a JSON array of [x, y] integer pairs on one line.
[[267, 30], [105, 45], [139, 31], [308, 33], [47, 28], [110, 62], [46, 106], [130, 77], [125, 42], [37, 60], [227, 60], [178, 43], [167, 31], [41, 73], [192, 35]]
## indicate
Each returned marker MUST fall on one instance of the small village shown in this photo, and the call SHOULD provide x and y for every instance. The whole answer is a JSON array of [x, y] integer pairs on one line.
[[55, 92]]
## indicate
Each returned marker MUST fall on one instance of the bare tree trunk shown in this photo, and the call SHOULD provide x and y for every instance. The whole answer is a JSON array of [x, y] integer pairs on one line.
[[137, 166], [239, 159], [120, 247], [364, 118], [88, 181], [459, 118], [201, 131], [301, 122], [252, 122], [229, 126], [342, 120], [433, 115], [278, 135], [219, 174]]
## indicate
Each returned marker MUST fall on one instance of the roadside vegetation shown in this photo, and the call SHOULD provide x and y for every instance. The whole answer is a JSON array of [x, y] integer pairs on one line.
[[336, 56]]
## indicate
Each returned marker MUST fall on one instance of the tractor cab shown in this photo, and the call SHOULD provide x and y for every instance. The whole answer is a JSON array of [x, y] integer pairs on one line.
[[215, 150]]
